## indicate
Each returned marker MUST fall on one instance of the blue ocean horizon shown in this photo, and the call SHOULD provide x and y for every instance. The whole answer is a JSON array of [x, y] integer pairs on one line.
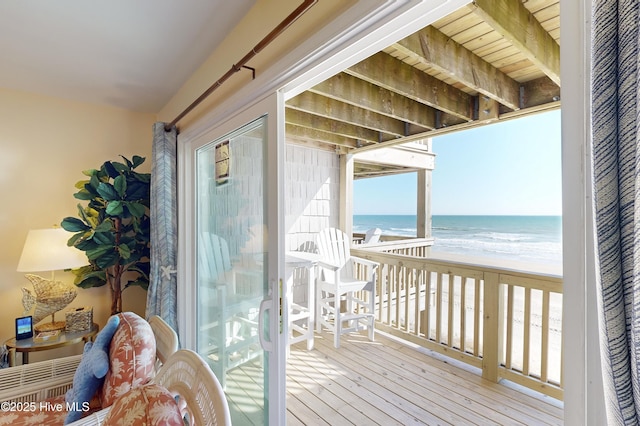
[[523, 238]]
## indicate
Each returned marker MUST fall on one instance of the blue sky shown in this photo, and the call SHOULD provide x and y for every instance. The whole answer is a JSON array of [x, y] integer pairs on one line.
[[508, 168]]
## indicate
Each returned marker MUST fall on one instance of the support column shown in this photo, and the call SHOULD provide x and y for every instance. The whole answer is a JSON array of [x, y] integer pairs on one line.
[[346, 193], [423, 197], [424, 204]]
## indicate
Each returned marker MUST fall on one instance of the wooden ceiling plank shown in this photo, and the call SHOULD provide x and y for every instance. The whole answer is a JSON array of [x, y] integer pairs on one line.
[[442, 53], [520, 27], [456, 26], [412, 83], [472, 33], [364, 94], [331, 108], [545, 14], [483, 42], [535, 6], [454, 16], [492, 48]]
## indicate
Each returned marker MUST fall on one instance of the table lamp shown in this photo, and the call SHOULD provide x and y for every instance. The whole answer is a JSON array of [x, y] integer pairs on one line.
[[47, 250]]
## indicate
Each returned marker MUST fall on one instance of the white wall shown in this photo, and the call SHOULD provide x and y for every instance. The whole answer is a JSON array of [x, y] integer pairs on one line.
[[312, 202], [312, 193]]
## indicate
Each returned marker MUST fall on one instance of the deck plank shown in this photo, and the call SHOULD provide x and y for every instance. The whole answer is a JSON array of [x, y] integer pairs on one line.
[[426, 403], [540, 406], [350, 404], [481, 391], [387, 382]]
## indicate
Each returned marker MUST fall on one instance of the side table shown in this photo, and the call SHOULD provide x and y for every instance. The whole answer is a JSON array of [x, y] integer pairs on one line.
[[26, 346]]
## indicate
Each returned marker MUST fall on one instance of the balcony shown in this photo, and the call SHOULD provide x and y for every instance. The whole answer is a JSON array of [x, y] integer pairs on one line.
[[456, 343], [507, 323]]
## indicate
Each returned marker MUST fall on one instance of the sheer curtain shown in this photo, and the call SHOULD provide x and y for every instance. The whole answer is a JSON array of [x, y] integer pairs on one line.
[[162, 294], [616, 200]]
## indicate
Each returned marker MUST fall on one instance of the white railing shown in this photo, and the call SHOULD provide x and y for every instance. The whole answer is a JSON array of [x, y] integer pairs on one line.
[[507, 323], [415, 247]]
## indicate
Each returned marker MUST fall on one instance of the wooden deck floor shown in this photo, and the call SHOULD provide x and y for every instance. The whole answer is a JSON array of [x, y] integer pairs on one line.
[[388, 383]]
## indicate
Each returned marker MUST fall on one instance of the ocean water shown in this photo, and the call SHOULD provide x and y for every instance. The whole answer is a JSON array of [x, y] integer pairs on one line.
[[523, 238]]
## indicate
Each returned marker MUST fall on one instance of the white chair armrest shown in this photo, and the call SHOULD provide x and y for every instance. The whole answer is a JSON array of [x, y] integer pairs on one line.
[[38, 381], [365, 262], [328, 265]]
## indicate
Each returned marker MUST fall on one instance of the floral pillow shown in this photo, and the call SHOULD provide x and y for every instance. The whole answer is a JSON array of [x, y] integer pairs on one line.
[[150, 404], [132, 357]]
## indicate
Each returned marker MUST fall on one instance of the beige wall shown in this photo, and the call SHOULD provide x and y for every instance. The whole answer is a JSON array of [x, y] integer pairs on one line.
[[45, 143], [260, 21]]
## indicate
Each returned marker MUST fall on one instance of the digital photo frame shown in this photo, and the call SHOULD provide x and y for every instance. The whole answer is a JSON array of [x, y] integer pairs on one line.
[[24, 328]]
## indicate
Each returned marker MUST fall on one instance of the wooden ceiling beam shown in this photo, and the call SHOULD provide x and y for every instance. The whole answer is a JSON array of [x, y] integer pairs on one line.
[[434, 49], [334, 109], [397, 157], [386, 71], [304, 119], [511, 19], [312, 135], [539, 91], [548, 106], [354, 91]]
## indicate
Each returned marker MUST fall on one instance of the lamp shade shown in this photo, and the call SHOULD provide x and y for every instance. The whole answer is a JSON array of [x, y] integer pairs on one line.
[[47, 250]]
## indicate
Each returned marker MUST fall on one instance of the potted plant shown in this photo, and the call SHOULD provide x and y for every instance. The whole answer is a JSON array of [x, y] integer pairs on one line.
[[113, 229]]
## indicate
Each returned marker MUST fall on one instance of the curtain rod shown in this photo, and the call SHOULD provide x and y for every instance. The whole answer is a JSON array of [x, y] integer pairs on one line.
[[306, 5]]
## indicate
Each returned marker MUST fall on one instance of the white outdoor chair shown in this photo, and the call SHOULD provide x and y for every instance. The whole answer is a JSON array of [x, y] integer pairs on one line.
[[228, 300], [372, 236], [337, 281]]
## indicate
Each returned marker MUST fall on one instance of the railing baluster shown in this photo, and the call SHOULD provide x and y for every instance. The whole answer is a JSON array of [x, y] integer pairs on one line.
[[427, 306], [450, 316], [526, 331], [419, 274], [390, 285], [476, 319], [509, 337], [398, 294], [407, 290], [463, 320], [439, 309], [544, 347]]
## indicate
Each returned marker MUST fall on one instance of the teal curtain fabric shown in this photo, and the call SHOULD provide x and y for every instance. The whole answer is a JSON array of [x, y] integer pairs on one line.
[[615, 57], [162, 294]]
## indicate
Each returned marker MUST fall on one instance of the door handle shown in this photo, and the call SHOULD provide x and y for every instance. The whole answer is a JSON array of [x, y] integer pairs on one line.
[[265, 306]]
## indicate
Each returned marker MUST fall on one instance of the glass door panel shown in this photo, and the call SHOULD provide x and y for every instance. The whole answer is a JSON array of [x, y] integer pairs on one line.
[[231, 266]]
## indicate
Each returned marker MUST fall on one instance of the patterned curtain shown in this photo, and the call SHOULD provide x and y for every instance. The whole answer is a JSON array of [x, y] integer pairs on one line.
[[616, 199], [162, 294]]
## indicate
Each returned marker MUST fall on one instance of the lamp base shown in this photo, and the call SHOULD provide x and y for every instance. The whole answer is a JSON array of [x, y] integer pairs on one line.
[[50, 326]]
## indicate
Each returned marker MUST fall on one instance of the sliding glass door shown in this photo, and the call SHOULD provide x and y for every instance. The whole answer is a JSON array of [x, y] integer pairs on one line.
[[233, 246]]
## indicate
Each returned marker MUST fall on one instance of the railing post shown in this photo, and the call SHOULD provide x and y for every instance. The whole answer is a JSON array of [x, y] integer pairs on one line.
[[492, 333]]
